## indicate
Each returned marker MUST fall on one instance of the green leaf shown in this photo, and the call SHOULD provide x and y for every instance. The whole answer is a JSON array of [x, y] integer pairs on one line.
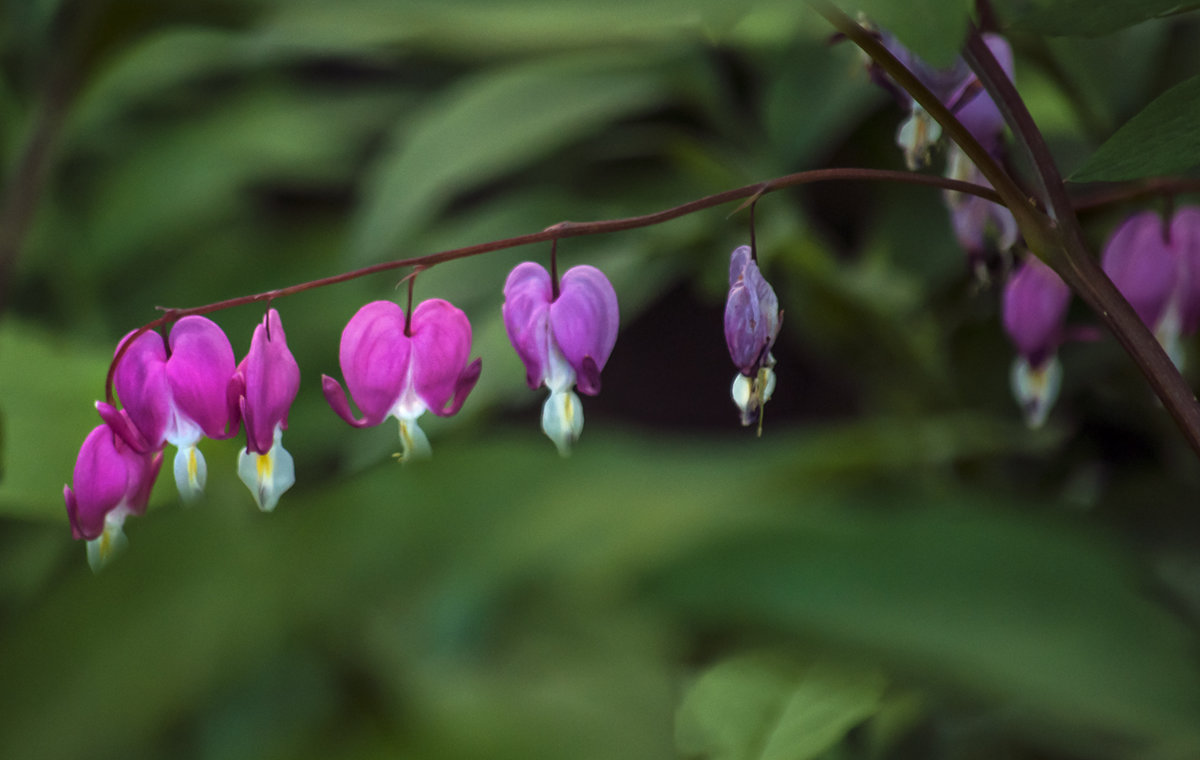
[[995, 605], [933, 29], [770, 707], [1087, 18], [48, 389], [1161, 139], [492, 124]]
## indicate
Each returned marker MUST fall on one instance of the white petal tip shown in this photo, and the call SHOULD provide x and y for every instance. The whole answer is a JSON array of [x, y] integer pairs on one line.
[[110, 543], [751, 393], [1036, 390], [562, 420], [268, 476], [191, 473], [414, 444]]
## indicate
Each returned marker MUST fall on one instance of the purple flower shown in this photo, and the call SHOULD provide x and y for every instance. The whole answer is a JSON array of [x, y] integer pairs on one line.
[[399, 370], [265, 384], [1156, 267], [1144, 266], [972, 104], [979, 224], [1034, 310], [564, 342], [176, 399], [752, 322], [111, 481]]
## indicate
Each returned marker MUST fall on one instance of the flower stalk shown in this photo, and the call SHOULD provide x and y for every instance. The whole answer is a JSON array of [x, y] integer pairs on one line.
[[1050, 229]]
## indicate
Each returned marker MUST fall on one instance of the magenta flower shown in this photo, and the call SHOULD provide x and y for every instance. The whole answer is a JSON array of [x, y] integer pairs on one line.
[[399, 370], [1034, 310], [564, 342], [265, 384], [752, 322], [112, 481], [1156, 267], [176, 399]]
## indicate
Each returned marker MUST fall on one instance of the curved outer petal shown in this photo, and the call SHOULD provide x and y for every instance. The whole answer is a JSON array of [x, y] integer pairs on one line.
[[751, 315], [976, 109], [1185, 238], [142, 387], [527, 295], [271, 379], [199, 371], [374, 356], [1035, 304], [585, 320], [738, 261], [1142, 266], [108, 475], [441, 345]]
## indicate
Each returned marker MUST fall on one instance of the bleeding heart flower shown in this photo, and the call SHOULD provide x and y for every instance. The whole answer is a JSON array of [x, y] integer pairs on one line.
[[564, 342], [264, 386], [176, 399], [1034, 311], [752, 322], [1156, 266], [112, 481], [402, 370]]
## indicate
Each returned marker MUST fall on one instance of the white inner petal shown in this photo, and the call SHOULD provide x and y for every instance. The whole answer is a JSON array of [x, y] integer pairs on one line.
[[191, 473], [562, 419], [1036, 390], [560, 376], [268, 475]]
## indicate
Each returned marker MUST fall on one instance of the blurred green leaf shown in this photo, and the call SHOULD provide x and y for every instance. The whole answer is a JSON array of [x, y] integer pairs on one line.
[[1161, 139], [1088, 18], [771, 707], [195, 178], [933, 29], [483, 27], [997, 604], [48, 386], [492, 124]]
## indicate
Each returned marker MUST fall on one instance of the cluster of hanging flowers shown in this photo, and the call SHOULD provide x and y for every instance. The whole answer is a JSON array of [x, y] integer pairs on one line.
[[401, 365], [1154, 262], [394, 365], [179, 393], [1035, 299]]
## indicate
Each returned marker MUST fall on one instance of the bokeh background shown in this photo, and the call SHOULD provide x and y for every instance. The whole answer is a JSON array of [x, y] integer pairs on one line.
[[898, 568]]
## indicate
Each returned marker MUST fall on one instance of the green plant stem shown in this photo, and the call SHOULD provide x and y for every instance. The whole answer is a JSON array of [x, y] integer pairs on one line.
[[1076, 264], [1054, 236], [1033, 223]]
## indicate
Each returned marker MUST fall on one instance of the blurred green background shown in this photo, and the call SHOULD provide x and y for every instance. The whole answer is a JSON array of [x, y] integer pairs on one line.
[[896, 569]]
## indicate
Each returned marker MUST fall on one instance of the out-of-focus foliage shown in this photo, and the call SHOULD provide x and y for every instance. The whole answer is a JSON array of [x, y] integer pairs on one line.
[[1161, 139], [896, 569], [1089, 17]]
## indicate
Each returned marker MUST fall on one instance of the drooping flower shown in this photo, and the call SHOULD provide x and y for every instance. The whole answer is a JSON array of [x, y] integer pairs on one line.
[[564, 342], [752, 322], [112, 481], [1156, 266], [265, 384], [176, 399], [1034, 309], [957, 87], [980, 225], [402, 370]]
